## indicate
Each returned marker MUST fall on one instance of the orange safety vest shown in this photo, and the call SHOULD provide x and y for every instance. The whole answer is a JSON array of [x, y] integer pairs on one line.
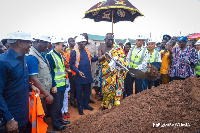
[[36, 114], [66, 61], [78, 56]]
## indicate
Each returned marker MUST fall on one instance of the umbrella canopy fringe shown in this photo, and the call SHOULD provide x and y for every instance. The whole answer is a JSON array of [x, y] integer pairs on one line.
[[112, 7]]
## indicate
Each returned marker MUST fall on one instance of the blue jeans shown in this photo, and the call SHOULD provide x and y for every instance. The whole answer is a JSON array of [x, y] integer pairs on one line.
[[140, 85]]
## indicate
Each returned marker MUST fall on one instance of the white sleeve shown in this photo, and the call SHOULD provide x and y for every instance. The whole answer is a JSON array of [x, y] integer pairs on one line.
[[159, 57], [128, 55], [143, 66]]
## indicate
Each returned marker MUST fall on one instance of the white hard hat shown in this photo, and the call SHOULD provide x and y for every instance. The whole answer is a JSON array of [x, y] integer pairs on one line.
[[80, 38], [42, 37], [198, 42], [57, 40], [140, 37], [19, 35], [151, 40]]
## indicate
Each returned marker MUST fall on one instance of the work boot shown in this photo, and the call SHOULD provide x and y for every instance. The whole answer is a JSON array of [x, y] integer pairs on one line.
[[91, 101], [73, 104], [89, 108]]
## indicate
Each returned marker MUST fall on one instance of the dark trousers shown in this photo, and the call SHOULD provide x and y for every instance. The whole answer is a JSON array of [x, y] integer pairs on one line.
[[26, 128], [153, 83], [45, 106], [177, 78], [55, 108], [128, 85], [23, 129], [72, 88], [83, 100], [165, 78], [140, 85]]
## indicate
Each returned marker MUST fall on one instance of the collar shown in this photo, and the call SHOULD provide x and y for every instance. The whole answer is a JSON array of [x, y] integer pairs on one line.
[[14, 53], [56, 53]]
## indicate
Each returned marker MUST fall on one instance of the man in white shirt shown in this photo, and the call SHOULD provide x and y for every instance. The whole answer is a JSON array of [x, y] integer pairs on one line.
[[137, 58], [155, 60]]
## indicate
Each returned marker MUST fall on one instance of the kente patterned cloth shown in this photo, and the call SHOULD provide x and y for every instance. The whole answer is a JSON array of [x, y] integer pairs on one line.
[[113, 79]]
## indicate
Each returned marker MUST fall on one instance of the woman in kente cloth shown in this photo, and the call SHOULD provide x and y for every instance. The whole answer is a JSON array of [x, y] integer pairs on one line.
[[113, 77]]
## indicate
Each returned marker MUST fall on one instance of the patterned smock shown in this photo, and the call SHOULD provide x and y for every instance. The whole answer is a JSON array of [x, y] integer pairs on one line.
[[113, 79]]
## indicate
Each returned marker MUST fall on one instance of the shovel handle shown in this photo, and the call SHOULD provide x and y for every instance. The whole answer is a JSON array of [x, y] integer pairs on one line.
[[117, 62]]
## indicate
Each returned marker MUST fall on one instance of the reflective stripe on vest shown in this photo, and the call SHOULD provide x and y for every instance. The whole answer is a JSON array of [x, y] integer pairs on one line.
[[36, 114], [78, 56], [154, 56], [67, 56], [135, 62], [197, 69], [59, 70]]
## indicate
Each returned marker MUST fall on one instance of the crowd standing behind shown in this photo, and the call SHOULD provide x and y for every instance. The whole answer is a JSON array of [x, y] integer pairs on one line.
[[54, 70]]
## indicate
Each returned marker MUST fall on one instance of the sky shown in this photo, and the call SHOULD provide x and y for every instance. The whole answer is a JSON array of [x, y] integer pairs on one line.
[[63, 18]]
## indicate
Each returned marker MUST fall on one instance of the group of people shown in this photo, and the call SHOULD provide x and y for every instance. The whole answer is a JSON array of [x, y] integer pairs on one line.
[[176, 58], [55, 70]]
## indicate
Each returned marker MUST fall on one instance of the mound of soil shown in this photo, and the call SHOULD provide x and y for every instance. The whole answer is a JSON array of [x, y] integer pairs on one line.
[[173, 107]]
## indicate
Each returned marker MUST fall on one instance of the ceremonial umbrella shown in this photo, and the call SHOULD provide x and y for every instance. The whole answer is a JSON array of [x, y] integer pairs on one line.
[[195, 36], [113, 11]]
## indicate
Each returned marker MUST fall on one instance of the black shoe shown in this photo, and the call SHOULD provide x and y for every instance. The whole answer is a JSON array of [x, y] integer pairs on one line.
[[60, 128], [65, 122], [81, 112], [89, 108], [73, 104], [91, 101]]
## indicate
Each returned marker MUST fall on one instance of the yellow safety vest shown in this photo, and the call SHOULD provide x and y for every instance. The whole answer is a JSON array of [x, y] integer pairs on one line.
[[153, 57], [136, 60], [60, 75], [197, 69]]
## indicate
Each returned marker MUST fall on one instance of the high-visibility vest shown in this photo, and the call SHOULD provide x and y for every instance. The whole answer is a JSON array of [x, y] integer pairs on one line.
[[66, 56], [60, 76], [197, 69], [36, 114], [78, 56], [154, 56], [136, 60]]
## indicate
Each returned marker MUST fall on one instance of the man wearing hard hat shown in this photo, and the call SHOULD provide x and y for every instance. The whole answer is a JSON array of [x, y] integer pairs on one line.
[[14, 84], [197, 69], [155, 60], [137, 58], [80, 62], [59, 83], [2, 48], [39, 69]]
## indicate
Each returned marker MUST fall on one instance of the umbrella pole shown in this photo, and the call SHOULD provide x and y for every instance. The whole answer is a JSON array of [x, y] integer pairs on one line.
[[112, 21]]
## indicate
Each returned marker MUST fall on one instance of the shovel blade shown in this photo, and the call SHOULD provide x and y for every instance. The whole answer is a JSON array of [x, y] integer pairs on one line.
[[137, 73]]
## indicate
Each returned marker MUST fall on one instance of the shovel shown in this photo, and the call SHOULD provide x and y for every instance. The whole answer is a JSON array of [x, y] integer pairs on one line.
[[133, 72]]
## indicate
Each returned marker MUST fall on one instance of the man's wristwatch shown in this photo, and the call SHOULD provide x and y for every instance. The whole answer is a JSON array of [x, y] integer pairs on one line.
[[10, 120]]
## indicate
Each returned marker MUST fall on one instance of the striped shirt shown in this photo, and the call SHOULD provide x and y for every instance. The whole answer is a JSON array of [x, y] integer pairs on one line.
[[179, 67]]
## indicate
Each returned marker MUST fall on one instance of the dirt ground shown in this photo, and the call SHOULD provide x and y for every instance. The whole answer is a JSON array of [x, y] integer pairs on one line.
[[174, 107], [74, 115]]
